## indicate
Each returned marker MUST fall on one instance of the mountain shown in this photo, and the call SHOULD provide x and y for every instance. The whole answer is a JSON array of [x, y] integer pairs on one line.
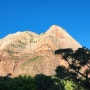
[[29, 53]]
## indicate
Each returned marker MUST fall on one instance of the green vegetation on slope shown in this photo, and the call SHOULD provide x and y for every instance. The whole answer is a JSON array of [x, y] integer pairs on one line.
[[32, 60]]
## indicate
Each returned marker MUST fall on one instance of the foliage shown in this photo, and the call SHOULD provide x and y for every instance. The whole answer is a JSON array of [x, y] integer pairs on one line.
[[64, 78], [76, 59], [44, 82], [61, 72], [22, 83], [18, 83]]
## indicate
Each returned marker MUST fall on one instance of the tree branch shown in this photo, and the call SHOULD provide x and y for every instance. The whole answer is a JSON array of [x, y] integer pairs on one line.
[[88, 66]]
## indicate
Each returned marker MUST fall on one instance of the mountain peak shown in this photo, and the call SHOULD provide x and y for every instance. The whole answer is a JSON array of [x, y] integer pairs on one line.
[[55, 28], [29, 53]]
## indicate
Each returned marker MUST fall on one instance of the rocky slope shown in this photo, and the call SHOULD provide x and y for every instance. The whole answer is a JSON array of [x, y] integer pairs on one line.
[[30, 53]]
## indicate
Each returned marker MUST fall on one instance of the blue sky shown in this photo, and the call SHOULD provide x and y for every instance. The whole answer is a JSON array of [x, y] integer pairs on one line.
[[39, 15]]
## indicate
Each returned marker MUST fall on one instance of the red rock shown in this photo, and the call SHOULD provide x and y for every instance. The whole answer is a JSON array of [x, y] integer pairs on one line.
[[30, 53]]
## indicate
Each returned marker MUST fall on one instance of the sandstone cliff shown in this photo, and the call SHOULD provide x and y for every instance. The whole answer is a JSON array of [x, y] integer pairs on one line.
[[30, 53]]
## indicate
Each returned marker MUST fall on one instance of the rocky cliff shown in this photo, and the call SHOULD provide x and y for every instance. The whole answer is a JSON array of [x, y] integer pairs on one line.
[[30, 53]]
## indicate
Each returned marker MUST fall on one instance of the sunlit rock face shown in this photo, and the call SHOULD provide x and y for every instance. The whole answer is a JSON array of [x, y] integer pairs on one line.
[[29, 53]]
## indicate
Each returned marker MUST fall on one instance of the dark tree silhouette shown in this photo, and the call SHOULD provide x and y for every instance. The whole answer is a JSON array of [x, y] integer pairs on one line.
[[61, 72], [77, 59], [44, 82]]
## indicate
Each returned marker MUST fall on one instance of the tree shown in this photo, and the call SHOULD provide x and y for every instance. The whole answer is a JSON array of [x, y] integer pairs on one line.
[[61, 72], [22, 83], [44, 82], [76, 60]]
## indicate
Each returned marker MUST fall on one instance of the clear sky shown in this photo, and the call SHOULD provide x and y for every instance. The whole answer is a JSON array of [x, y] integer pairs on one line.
[[39, 15]]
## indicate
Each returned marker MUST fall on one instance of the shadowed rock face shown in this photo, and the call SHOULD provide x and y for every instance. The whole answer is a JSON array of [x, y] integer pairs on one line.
[[30, 53]]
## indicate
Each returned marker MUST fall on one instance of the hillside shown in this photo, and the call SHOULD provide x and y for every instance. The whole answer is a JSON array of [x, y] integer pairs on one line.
[[29, 53]]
